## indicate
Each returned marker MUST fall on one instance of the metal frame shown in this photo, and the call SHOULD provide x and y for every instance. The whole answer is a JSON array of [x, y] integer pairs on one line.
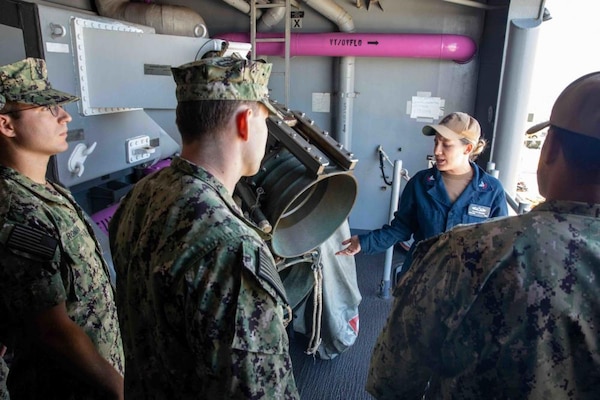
[[286, 39]]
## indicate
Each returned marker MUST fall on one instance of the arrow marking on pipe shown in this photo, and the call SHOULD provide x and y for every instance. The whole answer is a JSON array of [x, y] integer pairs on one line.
[[375, 43]]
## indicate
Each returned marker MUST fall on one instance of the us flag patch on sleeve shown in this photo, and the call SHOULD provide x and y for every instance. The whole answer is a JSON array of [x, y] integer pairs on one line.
[[32, 241]]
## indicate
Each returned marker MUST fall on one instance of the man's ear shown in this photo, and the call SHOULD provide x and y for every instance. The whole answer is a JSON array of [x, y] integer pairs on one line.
[[242, 123], [6, 126]]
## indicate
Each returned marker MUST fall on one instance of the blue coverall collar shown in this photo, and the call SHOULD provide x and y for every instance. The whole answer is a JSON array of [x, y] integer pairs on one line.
[[433, 180]]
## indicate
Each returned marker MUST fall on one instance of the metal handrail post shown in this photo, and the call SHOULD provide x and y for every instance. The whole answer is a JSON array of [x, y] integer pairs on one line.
[[385, 288]]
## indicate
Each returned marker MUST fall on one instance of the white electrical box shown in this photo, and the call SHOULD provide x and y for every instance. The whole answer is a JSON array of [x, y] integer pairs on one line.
[[138, 148]]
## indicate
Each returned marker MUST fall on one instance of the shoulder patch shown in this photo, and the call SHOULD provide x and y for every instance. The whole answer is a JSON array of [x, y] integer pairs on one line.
[[32, 241]]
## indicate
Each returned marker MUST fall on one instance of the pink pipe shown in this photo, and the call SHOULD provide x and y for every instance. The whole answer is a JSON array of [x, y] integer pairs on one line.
[[338, 44]]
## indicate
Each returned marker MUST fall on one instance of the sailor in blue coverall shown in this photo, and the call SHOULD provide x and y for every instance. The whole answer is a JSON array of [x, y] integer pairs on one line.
[[454, 191]]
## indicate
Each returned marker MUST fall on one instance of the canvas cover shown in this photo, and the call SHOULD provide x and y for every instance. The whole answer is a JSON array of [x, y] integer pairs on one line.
[[326, 310]]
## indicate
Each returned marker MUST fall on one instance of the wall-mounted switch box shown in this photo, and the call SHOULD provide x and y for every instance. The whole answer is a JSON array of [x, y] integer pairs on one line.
[[138, 148]]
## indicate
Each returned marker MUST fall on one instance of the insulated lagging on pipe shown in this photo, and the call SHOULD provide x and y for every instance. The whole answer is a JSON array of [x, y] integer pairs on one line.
[[165, 19]]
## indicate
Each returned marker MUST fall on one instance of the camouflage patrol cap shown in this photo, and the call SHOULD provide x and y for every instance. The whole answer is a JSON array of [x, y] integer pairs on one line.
[[26, 81], [224, 78]]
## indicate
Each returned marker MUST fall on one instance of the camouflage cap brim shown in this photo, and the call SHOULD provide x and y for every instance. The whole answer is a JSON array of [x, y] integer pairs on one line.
[[47, 97], [272, 110], [26, 81]]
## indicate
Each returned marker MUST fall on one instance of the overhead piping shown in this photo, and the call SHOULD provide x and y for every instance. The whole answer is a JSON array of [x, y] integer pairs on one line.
[[243, 6], [274, 14], [336, 14], [271, 17], [458, 48], [345, 92], [330, 10], [165, 19]]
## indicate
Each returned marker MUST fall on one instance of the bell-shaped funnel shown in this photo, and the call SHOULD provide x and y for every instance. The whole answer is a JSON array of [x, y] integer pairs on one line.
[[305, 188], [304, 210]]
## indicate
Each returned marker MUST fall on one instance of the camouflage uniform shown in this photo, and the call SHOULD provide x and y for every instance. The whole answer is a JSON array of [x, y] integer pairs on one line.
[[3, 375], [49, 255], [508, 309], [200, 301]]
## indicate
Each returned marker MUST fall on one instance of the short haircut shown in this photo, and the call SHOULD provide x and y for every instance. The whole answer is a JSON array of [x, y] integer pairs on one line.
[[581, 151], [198, 119]]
